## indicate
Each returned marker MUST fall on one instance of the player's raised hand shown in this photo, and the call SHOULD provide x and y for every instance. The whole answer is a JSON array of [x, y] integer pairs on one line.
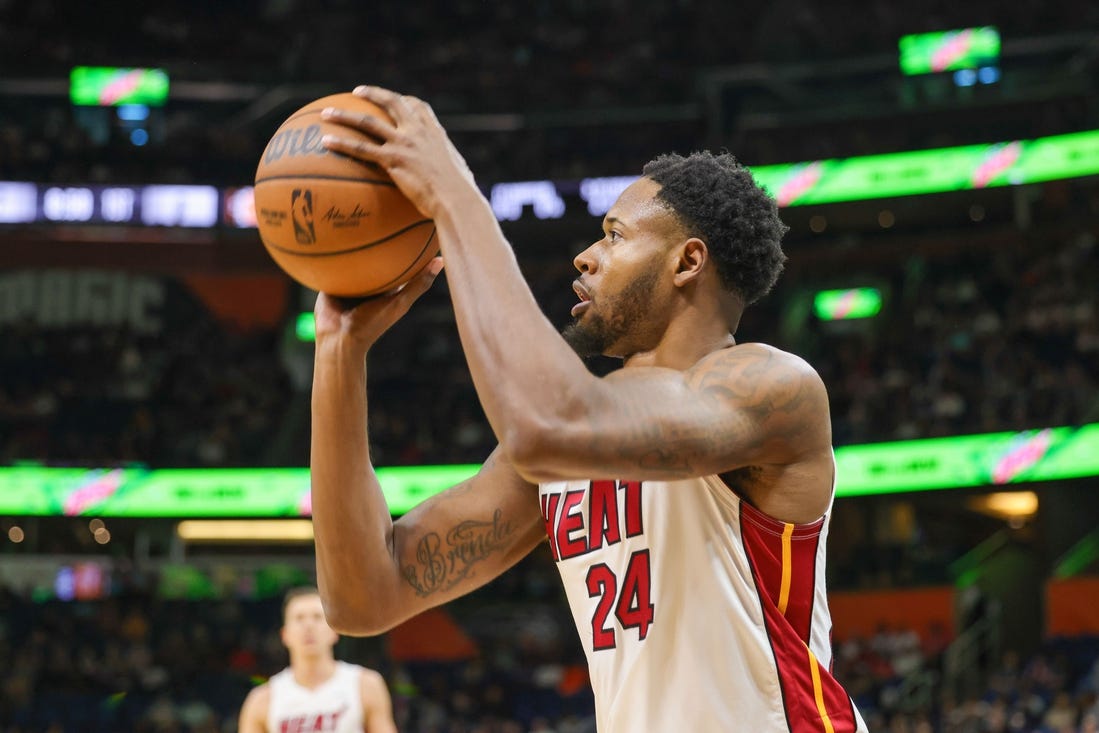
[[360, 322], [415, 149]]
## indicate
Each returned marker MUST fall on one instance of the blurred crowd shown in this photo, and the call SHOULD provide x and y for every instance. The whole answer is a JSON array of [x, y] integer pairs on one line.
[[597, 92], [137, 661], [974, 341], [200, 397], [1054, 690], [140, 661], [483, 57], [981, 342]]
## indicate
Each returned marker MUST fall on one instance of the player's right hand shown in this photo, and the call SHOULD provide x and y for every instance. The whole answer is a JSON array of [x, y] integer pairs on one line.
[[361, 322]]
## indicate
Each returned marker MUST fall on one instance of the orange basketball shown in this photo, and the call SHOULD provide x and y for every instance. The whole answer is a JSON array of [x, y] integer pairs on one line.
[[333, 223]]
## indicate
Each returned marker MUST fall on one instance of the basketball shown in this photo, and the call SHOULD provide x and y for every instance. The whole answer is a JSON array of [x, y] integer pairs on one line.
[[332, 223]]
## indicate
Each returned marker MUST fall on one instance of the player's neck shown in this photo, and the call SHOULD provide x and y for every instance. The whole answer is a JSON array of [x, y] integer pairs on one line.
[[686, 340], [702, 322], [312, 671]]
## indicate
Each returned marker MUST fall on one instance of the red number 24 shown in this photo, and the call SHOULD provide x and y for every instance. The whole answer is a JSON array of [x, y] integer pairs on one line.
[[634, 608]]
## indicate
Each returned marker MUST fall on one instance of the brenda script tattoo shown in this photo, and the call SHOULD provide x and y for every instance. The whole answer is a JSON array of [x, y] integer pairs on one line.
[[441, 563]]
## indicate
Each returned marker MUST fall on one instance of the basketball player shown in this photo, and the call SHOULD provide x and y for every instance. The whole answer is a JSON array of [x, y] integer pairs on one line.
[[685, 497], [316, 692]]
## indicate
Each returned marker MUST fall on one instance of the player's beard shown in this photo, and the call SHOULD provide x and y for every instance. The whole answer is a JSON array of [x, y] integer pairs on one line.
[[614, 323]]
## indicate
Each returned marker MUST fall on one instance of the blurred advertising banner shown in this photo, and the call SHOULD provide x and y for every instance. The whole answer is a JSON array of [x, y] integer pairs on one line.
[[965, 461], [56, 299]]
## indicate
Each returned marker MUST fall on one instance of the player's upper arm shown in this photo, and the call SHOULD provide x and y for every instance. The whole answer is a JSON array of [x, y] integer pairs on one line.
[[377, 705], [253, 714], [450, 545], [747, 405]]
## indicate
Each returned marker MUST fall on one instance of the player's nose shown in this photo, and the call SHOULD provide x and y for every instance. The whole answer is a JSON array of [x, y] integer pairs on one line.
[[585, 261]]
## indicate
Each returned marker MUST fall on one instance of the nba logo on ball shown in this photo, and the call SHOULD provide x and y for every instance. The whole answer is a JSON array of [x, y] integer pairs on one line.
[[349, 230], [301, 210]]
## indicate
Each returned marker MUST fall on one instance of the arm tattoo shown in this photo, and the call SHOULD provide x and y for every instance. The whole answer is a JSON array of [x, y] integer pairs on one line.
[[442, 564], [760, 384], [767, 399], [665, 459]]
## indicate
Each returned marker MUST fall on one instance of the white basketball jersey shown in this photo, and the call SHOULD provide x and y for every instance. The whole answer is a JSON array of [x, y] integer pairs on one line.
[[335, 706], [697, 611]]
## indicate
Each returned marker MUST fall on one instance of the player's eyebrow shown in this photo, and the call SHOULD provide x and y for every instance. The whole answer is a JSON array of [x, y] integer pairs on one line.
[[613, 220]]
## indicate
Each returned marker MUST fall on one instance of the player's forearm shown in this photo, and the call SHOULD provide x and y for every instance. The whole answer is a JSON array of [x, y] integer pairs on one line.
[[526, 375], [356, 572]]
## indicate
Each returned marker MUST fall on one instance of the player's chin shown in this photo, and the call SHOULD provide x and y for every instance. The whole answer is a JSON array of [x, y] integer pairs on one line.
[[583, 340]]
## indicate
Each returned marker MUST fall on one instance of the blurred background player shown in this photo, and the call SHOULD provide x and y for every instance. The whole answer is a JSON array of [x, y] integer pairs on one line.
[[316, 692]]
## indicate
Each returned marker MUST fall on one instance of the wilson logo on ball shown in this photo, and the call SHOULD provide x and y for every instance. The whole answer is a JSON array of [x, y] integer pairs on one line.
[[295, 142]]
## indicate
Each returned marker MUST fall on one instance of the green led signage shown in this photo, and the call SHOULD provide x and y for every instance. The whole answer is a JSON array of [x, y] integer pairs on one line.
[[930, 53], [879, 468], [305, 327], [932, 171], [839, 305], [991, 459], [105, 86]]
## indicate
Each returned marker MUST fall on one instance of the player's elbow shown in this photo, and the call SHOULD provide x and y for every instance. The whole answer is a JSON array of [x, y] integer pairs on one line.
[[355, 624], [354, 617], [545, 432], [534, 448]]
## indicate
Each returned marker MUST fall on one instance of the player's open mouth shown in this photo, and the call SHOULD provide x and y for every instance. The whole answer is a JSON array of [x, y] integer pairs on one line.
[[585, 298]]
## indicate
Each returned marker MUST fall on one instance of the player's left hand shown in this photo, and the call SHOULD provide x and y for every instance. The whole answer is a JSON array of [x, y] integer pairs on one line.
[[415, 150]]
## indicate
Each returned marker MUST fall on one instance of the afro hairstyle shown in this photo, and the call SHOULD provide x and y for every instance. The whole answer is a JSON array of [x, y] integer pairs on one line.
[[716, 199]]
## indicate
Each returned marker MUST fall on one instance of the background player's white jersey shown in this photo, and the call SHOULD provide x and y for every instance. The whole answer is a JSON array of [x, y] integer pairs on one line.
[[334, 707], [697, 611]]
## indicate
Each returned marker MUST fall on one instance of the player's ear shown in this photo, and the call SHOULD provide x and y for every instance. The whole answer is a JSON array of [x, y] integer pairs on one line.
[[691, 257]]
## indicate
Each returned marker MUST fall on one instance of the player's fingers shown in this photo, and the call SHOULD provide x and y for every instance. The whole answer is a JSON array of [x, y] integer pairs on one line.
[[420, 284], [360, 149], [426, 277], [371, 125], [424, 110], [396, 105]]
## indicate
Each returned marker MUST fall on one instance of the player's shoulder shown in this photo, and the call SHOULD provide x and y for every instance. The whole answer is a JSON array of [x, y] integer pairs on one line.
[[259, 698], [756, 360], [371, 682], [260, 692], [756, 351], [366, 675]]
